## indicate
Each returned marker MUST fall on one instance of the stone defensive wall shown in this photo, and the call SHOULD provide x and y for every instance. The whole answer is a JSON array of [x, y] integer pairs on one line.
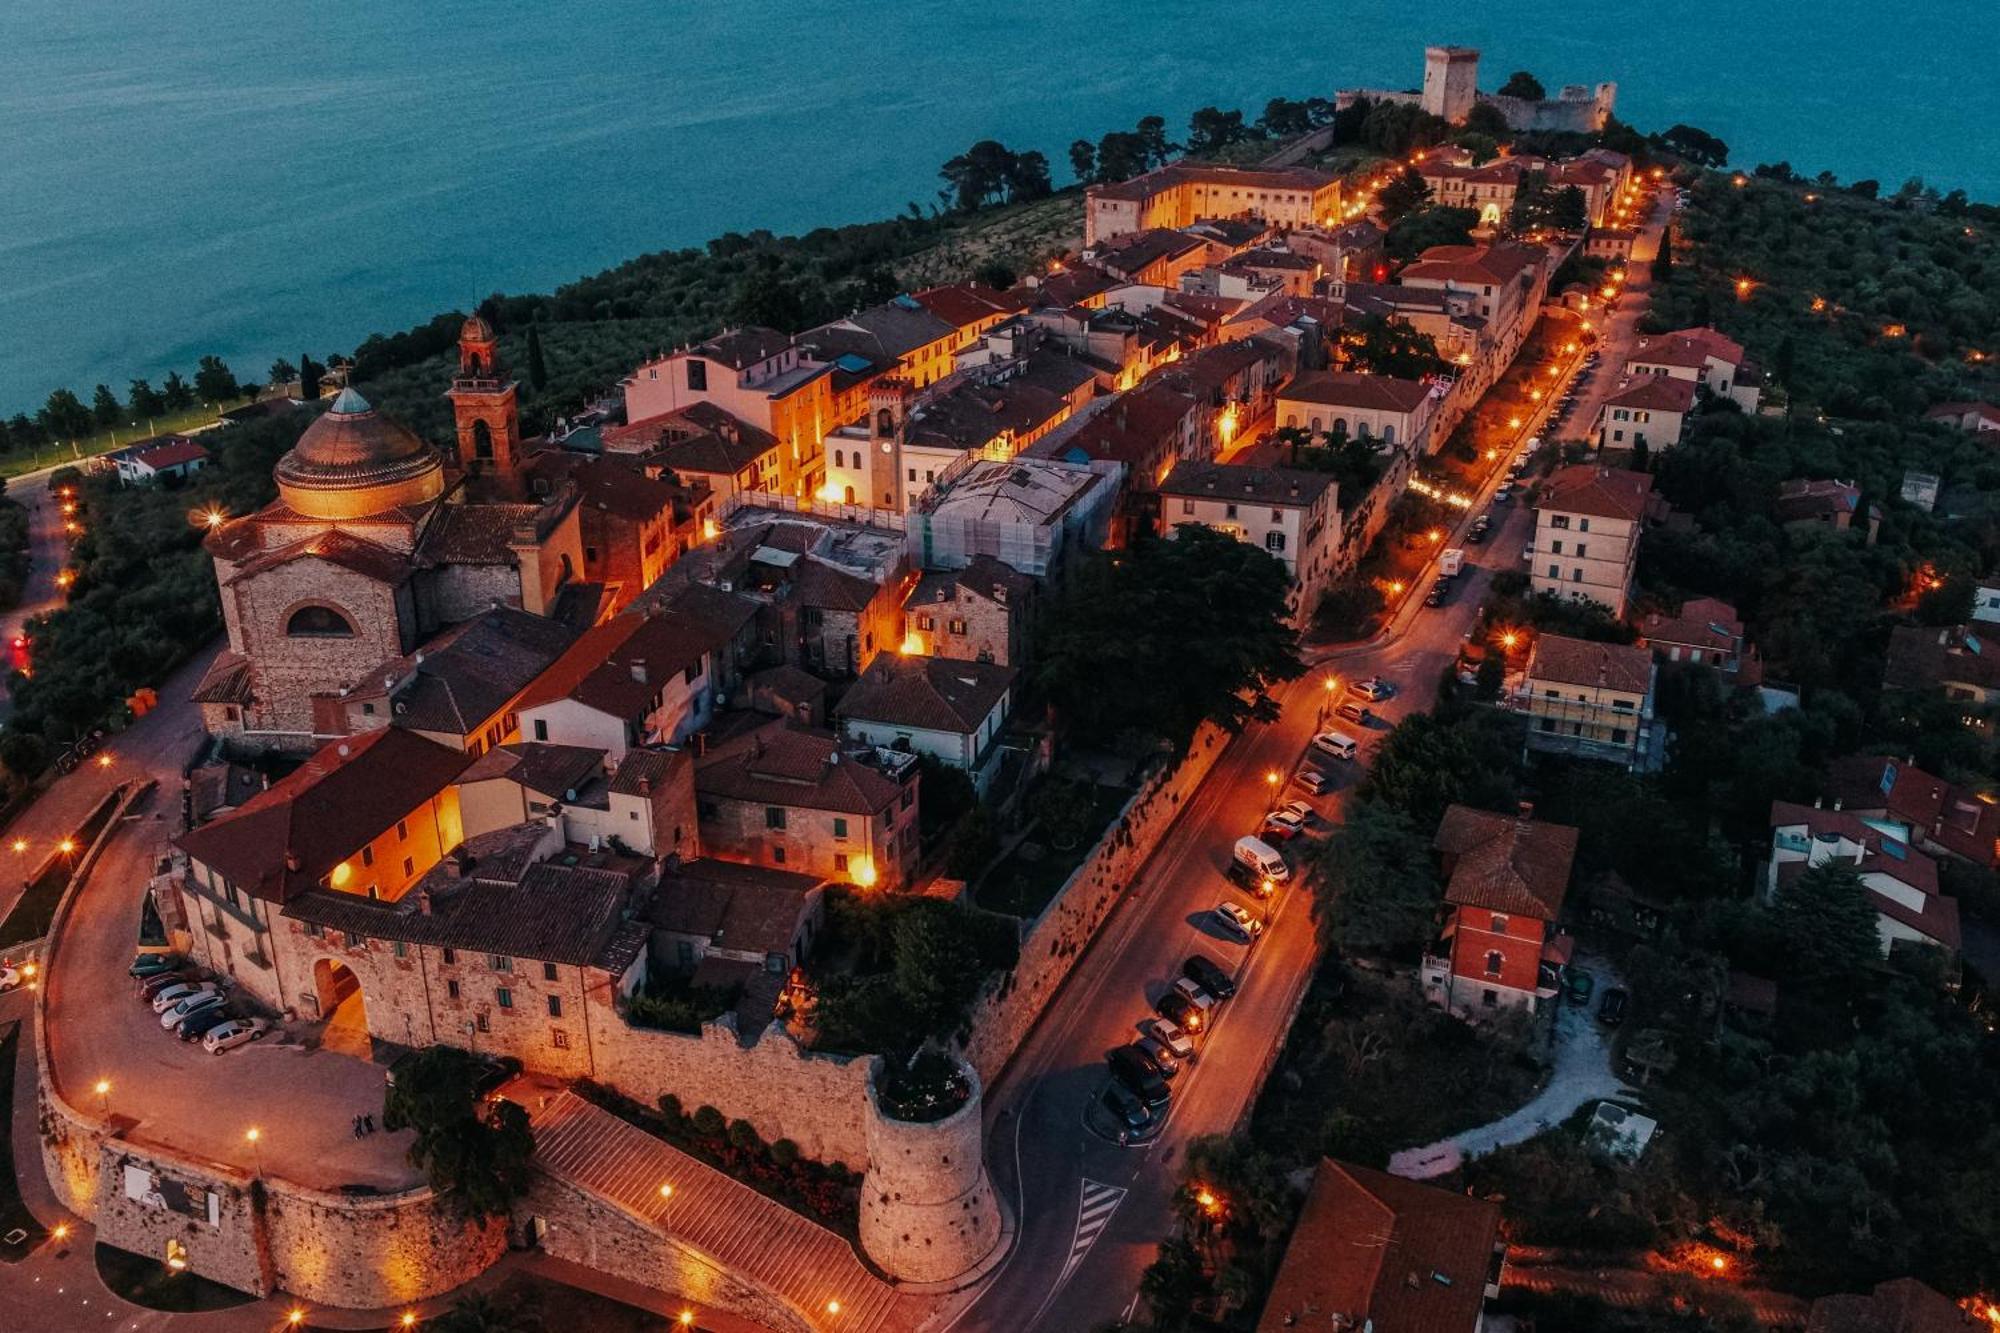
[[1007, 1009]]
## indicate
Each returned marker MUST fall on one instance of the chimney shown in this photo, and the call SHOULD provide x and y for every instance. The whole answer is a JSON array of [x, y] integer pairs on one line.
[[639, 670], [1524, 811], [645, 786], [423, 901]]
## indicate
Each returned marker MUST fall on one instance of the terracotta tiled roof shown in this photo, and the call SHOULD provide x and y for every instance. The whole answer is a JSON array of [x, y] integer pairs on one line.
[[1922, 657], [541, 767], [964, 304], [1612, 666], [788, 765], [1881, 854], [818, 584], [1472, 265], [1702, 622], [172, 454], [468, 672], [1801, 498], [1903, 1305], [1707, 342], [1133, 253], [1506, 863], [740, 349], [336, 547], [616, 668], [1604, 492], [227, 680], [1655, 393], [477, 534], [1246, 483], [927, 693], [1385, 1253], [1341, 388], [1190, 173], [291, 836], [738, 907], [1879, 782], [1956, 412], [983, 576]]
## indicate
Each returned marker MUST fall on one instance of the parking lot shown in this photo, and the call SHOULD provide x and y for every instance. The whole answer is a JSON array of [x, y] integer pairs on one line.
[[300, 1096]]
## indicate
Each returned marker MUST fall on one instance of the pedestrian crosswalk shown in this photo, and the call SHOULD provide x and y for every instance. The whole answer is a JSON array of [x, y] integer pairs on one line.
[[1093, 1214]]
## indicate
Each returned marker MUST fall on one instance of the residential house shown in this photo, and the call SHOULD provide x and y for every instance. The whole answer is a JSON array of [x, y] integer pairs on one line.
[[460, 689], [972, 307], [1157, 256], [1395, 412], [703, 445], [1354, 252], [1834, 503], [365, 817], [1645, 413], [1978, 417], [643, 803], [1702, 356], [1588, 521], [950, 710], [1188, 192], [1902, 883], [1705, 632], [1292, 515], [639, 679], [983, 612], [779, 794], [1505, 880], [764, 381], [1951, 658], [175, 456], [1986, 602], [1507, 281], [899, 337], [1914, 807], [1146, 431], [728, 926], [636, 520], [1375, 1251], [1591, 700]]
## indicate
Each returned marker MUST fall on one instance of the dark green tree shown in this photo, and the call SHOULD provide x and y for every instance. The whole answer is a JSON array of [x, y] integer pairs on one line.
[[281, 374], [1663, 260], [996, 273], [978, 176], [1374, 891], [538, 367], [1523, 85], [1168, 634], [175, 391], [1211, 129], [1121, 155], [1485, 118], [1569, 210], [1152, 132], [1083, 161], [1028, 177], [766, 296], [215, 382], [310, 373], [1406, 192], [144, 399], [1696, 146], [1828, 924], [1381, 346], [1283, 118], [64, 417], [936, 968], [1431, 226], [483, 1153], [25, 432], [105, 408], [1170, 1284]]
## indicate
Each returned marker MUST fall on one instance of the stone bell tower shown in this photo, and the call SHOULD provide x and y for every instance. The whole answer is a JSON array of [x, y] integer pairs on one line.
[[888, 406], [483, 404]]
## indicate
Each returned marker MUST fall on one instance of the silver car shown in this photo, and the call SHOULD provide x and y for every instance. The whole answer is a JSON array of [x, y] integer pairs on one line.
[[192, 1005]]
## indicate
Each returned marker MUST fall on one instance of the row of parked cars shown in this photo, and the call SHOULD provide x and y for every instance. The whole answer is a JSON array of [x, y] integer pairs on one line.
[[1142, 1071], [190, 1006]]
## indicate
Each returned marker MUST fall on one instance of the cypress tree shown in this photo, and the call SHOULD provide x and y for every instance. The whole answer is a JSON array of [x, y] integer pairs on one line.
[[538, 369], [1663, 262]]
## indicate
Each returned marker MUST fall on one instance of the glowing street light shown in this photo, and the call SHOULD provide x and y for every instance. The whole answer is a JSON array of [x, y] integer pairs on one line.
[[1272, 779], [685, 1319], [295, 1317], [252, 1136], [833, 1307], [20, 845], [60, 1231], [666, 1192], [103, 1090]]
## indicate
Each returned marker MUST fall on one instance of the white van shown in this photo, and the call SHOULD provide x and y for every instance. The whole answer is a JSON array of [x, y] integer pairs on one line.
[[1263, 858], [1337, 743]]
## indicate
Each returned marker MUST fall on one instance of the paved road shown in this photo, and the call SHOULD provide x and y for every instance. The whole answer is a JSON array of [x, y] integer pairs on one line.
[[1617, 335], [1050, 1167]]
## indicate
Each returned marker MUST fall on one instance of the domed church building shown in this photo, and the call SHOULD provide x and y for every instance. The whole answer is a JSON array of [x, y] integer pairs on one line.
[[375, 542]]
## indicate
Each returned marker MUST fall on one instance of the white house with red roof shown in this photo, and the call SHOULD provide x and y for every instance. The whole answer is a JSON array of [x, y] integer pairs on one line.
[[1645, 413], [1902, 883], [1976, 417], [161, 456], [1703, 356]]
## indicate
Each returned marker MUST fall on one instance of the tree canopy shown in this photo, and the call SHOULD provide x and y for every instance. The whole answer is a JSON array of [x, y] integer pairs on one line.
[[1168, 634], [481, 1153]]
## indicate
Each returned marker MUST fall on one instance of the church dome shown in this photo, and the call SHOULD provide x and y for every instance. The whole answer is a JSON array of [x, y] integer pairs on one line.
[[475, 330], [354, 461]]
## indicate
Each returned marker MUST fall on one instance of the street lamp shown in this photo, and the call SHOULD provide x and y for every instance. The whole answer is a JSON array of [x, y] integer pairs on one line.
[[666, 1192], [252, 1136], [104, 1097]]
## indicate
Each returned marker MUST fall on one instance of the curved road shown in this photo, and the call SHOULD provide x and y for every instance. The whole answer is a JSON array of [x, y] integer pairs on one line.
[[1053, 1170]]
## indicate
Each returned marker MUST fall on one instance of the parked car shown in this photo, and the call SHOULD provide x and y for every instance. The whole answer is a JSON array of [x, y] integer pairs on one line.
[[1336, 743], [152, 986], [1128, 1110], [175, 1014], [1478, 534], [152, 965], [1611, 1009], [1360, 714], [200, 1024], [1282, 825], [1196, 993], [169, 996], [1315, 780], [1435, 597], [1304, 811], [1578, 985], [1181, 1011], [1236, 921], [1171, 1037], [1374, 688], [10, 977], [1210, 975], [1158, 1056], [231, 1033], [1129, 1067]]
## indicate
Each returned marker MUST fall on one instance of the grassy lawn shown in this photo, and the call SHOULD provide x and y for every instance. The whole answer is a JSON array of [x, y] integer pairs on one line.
[[31, 915], [49, 455], [14, 1214], [1376, 1069], [1024, 881]]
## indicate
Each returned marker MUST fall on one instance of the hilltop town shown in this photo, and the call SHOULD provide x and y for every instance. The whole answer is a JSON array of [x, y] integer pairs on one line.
[[1383, 725]]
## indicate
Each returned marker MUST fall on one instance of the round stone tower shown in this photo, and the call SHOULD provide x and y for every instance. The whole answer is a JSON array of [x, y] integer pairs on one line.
[[1451, 81], [928, 1213]]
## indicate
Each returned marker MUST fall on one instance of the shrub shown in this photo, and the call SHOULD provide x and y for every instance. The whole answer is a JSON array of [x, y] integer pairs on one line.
[[744, 1135], [785, 1153], [709, 1122], [671, 1112]]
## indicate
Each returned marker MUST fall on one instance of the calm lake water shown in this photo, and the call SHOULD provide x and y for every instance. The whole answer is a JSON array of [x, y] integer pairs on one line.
[[188, 176]]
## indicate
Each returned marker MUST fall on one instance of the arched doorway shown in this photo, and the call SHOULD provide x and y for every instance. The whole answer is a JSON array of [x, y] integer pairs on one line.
[[341, 1007]]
